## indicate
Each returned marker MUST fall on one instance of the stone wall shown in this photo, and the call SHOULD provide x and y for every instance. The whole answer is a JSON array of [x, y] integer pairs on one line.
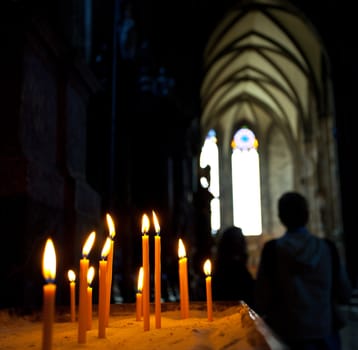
[[43, 192]]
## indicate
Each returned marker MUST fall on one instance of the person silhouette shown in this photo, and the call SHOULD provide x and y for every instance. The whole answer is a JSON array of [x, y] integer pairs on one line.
[[231, 279], [294, 283]]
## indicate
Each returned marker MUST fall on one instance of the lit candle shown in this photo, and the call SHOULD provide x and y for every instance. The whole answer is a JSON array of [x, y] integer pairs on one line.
[[102, 295], [181, 293], [90, 276], [146, 272], [139, 300], [183, 280], [112, 233], [49, 290], [72, 278], [83, 304], [157, 272], [209, 298]]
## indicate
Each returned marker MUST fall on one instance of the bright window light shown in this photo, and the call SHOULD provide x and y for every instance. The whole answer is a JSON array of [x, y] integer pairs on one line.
[[210, 157], [246, 184]]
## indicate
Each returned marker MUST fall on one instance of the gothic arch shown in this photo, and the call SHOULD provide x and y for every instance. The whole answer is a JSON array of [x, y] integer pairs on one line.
[[266, 64]]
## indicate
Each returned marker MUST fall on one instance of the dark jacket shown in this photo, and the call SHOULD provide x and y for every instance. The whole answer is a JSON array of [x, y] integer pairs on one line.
[[294, 286], [233, 282]]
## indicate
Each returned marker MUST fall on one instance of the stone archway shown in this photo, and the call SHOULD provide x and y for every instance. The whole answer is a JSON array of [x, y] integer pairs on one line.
[[264, 63]]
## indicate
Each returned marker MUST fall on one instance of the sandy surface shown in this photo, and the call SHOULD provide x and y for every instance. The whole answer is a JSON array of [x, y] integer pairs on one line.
[[233, 327]]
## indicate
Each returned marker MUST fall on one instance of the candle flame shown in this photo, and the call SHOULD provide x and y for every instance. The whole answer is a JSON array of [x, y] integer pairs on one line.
[[88, 244], [110, 223], [71, 275], [207, 267], [90, 275], [145, 224], [49, 261], [181, 249], [106, 248], [156, 223], [140, 279]]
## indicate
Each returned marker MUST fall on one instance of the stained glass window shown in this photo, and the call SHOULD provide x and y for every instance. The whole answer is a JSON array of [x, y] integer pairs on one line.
[[246, 182], [244, 139], [210, 157]]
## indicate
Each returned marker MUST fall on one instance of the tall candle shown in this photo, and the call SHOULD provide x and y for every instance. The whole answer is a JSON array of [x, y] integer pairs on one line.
[[112, 233], [157, 272], [72, 278], [209, 298], [102, 294], [181, 300], [83, 303], [146, 273], [90, 276], [139, 299], [49, 290], [183, 280]]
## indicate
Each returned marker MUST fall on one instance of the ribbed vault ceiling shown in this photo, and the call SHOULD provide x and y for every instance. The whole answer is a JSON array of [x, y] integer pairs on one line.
[[264, 64]]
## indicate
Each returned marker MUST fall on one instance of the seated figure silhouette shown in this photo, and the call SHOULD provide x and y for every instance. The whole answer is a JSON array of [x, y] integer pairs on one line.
[[232, 280]]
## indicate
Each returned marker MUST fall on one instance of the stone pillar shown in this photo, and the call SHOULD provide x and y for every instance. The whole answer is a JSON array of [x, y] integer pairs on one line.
[[43, 192]]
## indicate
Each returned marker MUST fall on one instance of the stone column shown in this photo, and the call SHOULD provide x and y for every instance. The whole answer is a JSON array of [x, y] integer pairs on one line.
[[43, 192]]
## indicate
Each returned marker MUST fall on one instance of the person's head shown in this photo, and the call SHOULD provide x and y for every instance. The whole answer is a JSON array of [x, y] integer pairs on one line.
[[293, 210], [232, 245]]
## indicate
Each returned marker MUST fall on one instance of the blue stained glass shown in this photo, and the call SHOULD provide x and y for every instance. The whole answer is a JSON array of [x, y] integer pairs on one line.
[[244, 139], [211, 134]]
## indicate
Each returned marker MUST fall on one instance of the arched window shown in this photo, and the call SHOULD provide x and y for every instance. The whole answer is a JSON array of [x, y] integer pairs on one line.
[[246, 182], [210, 157]]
